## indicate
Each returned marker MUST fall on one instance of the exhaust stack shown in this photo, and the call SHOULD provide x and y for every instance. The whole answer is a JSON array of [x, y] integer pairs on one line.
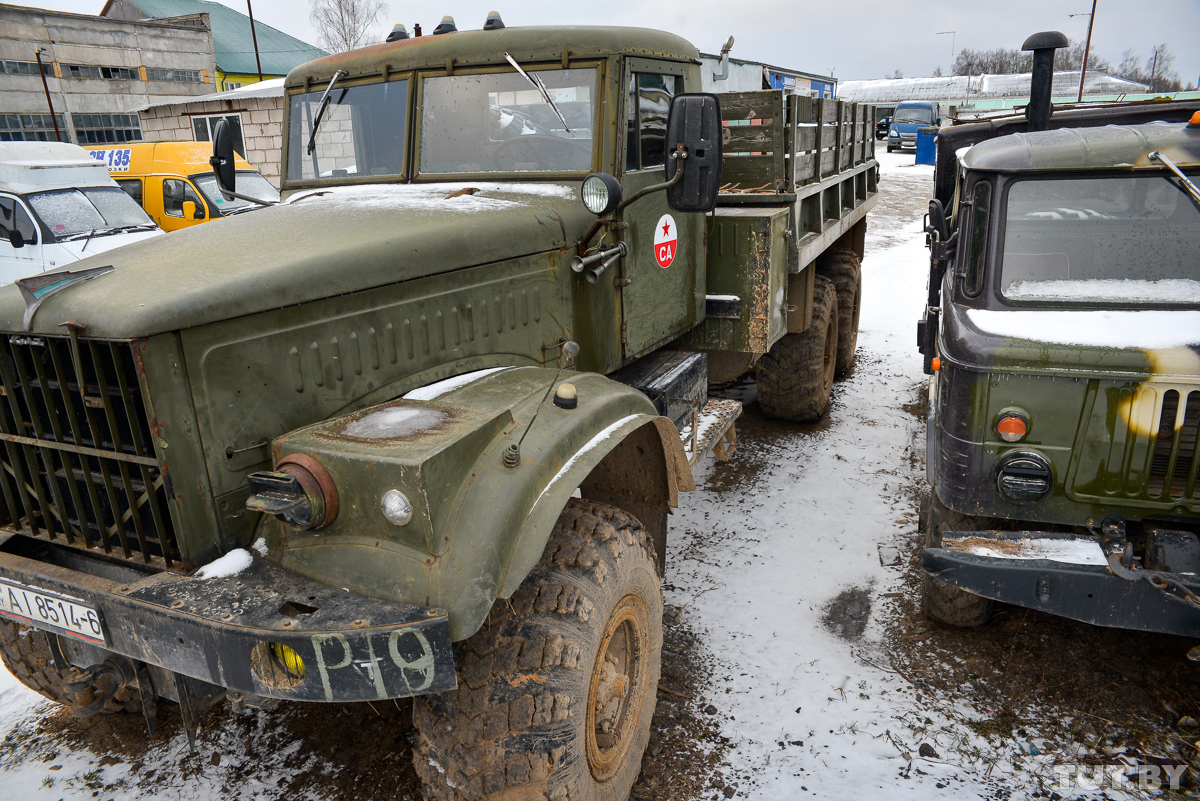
[[1043, 46]]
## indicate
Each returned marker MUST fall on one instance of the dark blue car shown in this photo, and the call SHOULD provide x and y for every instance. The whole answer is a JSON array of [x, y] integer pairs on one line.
[[907, 118]]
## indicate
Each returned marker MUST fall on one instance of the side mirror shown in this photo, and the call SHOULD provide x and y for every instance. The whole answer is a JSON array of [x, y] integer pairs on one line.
[[937, 220], [15, 239], [694, 147], [222, 157], [191, 212]]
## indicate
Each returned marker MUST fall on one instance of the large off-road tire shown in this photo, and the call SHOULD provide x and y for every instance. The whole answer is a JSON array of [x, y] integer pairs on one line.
[[939, 600], [845, 271], [795, 378], [26, 654], [556, 691]]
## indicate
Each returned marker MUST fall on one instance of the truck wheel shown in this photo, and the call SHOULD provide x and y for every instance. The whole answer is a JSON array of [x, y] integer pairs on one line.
[[26, 654], [845, 271], [556, 691], [795, 378], [939, 600]]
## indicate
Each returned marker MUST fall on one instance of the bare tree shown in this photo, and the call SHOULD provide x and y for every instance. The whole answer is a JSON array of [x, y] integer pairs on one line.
[[345, 24]]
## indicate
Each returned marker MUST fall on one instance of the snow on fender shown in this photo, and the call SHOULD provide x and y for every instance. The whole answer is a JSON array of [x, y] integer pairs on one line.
[[666, 240]]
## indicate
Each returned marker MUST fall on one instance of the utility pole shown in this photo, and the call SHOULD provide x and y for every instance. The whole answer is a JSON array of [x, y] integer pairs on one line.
[[1154, 72], [46, 89], [1086, 50], [953, 36], [254, 36]]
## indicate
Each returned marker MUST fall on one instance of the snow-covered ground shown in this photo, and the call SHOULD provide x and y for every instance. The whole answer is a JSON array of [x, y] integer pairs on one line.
[[787, 562]]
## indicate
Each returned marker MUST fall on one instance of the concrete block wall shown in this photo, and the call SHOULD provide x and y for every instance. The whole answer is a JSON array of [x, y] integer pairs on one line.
[[262, 127]]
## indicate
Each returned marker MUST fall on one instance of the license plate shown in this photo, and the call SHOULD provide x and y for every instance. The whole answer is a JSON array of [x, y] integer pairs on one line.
[[45, 610]]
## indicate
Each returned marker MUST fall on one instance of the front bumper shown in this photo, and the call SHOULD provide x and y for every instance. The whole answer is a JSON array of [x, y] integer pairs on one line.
[[219, 630], [1090, 593]]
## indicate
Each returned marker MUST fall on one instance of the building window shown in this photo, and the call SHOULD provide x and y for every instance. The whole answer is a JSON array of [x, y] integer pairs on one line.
[[24, 68], [30, 128], [95, 129], [231, 85], [203, 127], [179, 76], [93, 72]]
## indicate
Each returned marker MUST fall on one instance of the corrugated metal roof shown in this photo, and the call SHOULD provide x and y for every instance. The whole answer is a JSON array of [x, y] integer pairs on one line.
[[232, 41], [961, 87]]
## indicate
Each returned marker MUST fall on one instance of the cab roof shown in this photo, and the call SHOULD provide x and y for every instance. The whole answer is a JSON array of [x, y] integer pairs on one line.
[[38, 166], [169, 158], [479, 47], [1109, 146]]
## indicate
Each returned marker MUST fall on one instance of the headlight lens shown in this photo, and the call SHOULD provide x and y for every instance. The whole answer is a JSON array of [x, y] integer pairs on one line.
[[299, 491], [1024, 478], [601, 193]]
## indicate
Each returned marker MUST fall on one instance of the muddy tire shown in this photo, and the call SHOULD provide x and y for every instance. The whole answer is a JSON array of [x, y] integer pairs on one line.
[[556, 691], [795, 378], [939, 600], [26, 654], [845, 271]]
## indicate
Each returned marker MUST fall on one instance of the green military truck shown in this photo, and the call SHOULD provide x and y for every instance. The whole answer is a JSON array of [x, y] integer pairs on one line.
[[417, 430], [1063, 340]]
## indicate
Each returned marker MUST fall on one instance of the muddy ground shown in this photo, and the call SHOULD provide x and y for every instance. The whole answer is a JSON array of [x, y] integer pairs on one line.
[[946, 713]]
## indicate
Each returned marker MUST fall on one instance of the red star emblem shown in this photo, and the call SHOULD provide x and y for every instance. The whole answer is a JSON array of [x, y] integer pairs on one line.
[[666, 229]]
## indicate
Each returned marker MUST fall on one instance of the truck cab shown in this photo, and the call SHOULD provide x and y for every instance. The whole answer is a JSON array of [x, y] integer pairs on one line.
[[58, 206], [1064, 347]]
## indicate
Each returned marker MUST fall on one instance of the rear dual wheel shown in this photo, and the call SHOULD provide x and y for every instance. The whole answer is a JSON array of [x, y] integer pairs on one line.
[[795, 378]]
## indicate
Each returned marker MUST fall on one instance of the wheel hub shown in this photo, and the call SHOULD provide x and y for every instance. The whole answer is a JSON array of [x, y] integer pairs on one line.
[[617, 688]]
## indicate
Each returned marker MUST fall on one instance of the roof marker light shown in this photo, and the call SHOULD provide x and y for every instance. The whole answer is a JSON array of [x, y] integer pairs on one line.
[[398, 32], [1194, 122], [493, 21], [446, 26]]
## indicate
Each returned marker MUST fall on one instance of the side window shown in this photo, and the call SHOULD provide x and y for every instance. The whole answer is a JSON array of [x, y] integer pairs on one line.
[[977, 234], [13, 215], [133, 188], [648, 104], [175, 192]]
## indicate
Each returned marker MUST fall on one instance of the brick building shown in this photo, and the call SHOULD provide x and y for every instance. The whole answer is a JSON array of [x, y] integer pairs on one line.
[[255, 113]]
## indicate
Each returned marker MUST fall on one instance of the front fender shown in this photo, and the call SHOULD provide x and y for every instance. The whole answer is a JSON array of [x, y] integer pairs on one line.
[[479, 526]]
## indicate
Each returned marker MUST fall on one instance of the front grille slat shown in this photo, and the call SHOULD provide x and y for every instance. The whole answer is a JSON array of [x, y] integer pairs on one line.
[[78, 460], [1183, 484], [68, 402]]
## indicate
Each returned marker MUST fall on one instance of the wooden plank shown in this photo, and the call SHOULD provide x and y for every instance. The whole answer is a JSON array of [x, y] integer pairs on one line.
[[753, 137], [805, 171], [820, 140], [765, 104], [826, 163], [829, 111], [750, 171], [806, 137]]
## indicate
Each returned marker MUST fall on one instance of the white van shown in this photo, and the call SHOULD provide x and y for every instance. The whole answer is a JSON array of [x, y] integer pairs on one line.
[[58, 205]]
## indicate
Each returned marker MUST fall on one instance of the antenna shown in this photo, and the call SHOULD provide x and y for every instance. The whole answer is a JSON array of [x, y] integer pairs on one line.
[[512, 454]]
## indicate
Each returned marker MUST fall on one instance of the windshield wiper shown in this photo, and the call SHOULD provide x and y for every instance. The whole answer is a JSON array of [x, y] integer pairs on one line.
[[1187, 187], [312, 138], [536, 82], [91, 233]]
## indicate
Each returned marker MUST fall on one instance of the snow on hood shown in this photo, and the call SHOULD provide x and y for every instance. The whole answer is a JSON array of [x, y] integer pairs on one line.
[[441, 197], [1145, 330]]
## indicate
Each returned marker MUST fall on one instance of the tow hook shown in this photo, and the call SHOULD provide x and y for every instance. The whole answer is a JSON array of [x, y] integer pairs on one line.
[[93, 687]]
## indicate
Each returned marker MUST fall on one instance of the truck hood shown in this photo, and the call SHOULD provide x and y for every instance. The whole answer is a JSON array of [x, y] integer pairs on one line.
[[319, 244], [1085, 342]]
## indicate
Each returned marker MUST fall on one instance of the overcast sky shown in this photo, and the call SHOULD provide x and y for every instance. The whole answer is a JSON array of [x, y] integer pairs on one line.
[[851, 38]]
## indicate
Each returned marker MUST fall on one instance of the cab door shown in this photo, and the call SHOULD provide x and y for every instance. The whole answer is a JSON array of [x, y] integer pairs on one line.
[[662, 295], [26, 260], [176, 192]]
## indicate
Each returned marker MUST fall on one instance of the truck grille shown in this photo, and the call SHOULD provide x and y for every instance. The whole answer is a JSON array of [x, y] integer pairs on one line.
[[77, 457], [1173, 463]]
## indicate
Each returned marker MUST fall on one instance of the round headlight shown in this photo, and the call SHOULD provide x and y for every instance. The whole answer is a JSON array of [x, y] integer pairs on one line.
[[396, 507], [320, 505], [601, 193], [1024, 478]]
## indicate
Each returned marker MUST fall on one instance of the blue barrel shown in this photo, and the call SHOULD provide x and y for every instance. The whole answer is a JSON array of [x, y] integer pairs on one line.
[[927, 145]]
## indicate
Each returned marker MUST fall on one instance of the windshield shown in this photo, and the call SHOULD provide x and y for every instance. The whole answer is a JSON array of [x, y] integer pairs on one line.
[[501, 123], [913, 115], [78, 212], [249, 183], [1127, 239], [361, 132]]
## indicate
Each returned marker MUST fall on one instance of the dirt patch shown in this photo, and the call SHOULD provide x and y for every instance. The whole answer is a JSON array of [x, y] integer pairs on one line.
[[847, 614]]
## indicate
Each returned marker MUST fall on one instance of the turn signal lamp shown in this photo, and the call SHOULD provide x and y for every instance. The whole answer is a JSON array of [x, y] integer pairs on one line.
[[1194, 122], [935, 363], [1012, 427]]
